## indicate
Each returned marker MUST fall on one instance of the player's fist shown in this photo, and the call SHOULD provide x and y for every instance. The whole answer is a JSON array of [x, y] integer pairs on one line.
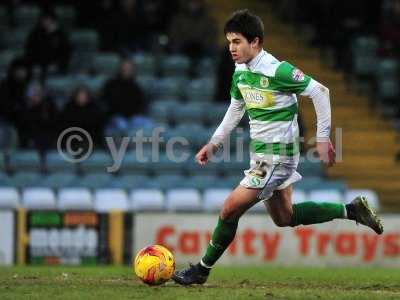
[[326, 153], [205, 153]]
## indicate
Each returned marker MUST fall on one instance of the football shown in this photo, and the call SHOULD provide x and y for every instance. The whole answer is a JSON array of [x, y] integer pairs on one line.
[[154, 264]]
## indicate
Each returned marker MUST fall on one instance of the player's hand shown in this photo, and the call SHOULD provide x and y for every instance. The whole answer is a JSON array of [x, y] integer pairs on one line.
[[205, 153], [326, 153]]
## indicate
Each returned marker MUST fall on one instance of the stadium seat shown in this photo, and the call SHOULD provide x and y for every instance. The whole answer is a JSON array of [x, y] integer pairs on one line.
[[332, 196], [195, 134], [168, 181], [183, 200], [59, 180], [39, 199], [27, 160], [167, 165], [175, 65], [145, 63], [26, 16], [26, 179], [201, 182], [106, 63], [98, 161], [213, 199], [85, 40], [145, 82], [128, 182], [135, 163], [229, 182], [54, 162], [95, 180], [299, 196], [364, 52], [66, 15], [9, 198], [161, 109], [234, 166], [61, 86], [310, 168], [333, 185], [147, 200], [193, 168], [308, 183], [75, 199], [107, 200], [215, 115], [200, 90], [94, 83], [387, 80], [167, 88], [6, 58], [372, 197], [191, 112], [5, 180]]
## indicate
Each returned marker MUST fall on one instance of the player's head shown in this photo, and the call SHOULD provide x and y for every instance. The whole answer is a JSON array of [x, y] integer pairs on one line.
[[245, 34]]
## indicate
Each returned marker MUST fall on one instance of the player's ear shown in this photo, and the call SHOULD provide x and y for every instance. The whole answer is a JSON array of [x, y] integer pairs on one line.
[[255, 43]]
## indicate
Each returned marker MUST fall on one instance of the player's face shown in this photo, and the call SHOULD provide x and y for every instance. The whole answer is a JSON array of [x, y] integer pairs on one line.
[[241, 50]]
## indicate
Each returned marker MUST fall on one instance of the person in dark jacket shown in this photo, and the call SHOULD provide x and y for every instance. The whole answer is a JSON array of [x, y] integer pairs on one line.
[[81, 111], [48, 45]]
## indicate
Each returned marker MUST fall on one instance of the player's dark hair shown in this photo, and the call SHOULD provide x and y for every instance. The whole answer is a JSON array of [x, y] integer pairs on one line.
[[247, 24]]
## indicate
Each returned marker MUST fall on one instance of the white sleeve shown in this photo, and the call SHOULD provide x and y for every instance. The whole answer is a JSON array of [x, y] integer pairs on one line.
[[320, 98], [232, 118]]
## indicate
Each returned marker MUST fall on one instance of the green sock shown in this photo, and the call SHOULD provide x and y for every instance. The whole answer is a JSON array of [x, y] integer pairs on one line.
[[223, 235], [312, 212]]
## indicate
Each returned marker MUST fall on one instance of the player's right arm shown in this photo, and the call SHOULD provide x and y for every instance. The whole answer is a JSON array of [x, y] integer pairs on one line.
[[231, 119]]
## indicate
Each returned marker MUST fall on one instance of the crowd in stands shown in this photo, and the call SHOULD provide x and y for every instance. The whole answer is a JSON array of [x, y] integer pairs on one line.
[[125, 27]]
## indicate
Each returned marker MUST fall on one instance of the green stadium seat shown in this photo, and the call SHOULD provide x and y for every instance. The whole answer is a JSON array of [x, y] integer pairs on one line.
[[27, 160], [106, 63]]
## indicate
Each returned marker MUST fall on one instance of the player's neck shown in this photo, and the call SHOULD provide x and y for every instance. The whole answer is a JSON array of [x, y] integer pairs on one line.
[[254, 60]]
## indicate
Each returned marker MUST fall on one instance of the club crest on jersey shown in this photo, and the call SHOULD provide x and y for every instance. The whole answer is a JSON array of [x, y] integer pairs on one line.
[[297, 75], [264, 82]]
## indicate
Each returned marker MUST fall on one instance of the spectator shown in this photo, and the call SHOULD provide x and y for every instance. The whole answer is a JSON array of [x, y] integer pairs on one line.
[[38, 120], [13, 89], [125, 100], [47, 45], [81, 111], [193, 31]]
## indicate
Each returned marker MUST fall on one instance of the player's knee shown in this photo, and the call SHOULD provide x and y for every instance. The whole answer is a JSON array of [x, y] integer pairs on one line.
[[283, 220], [227, 214]]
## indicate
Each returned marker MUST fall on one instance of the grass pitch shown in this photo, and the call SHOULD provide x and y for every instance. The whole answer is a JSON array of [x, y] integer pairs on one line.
[[227, 283]]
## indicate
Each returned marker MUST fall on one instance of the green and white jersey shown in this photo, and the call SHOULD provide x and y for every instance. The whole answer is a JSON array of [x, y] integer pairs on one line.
[[268, 88]]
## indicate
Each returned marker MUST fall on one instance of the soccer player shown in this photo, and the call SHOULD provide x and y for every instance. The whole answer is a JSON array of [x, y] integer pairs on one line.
[[266, 89]]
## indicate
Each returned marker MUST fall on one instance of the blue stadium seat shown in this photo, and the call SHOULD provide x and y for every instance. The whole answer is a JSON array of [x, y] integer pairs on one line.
[[26, 160], [191, 112], [39, 199], [165, 182], [98, 161], [107, 200], [61, 87], [147, 200], [166, 165], [161, 110], [201, 182], [193, 168], [5, 180], [135, 163], [26, 179], [85, 40], [167, 88], [175, 65], [59, 180], [308, 183], [54, 162], [8, 138], [215, 115], [9, 198], [75, 199], [106, 63], [308, 168], [183, 200], [213, 199], [95, 180], [201, 90], [128, 182], [145, 63]]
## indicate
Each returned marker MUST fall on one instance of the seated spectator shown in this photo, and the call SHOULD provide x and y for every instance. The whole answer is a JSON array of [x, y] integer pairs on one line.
[[193, 31], [81, 111], [48, 45], [125, 100], [13, 90], [38, 120]]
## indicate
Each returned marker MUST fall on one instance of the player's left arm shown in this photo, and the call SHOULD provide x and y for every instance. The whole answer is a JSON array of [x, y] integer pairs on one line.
[[293, 80]]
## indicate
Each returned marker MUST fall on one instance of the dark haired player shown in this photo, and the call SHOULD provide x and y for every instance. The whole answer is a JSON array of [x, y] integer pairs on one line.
[[266, 89]]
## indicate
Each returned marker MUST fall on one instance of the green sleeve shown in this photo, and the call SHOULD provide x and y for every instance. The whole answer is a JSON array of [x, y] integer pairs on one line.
[[235, 92], [290, 79]]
